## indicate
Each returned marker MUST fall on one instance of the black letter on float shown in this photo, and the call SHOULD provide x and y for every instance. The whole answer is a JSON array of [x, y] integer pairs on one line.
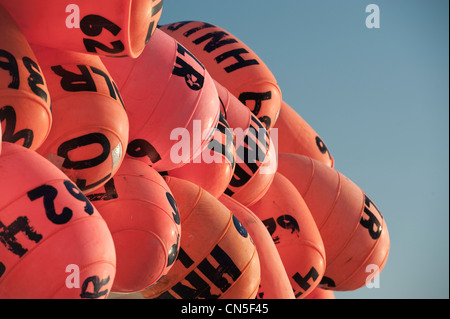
[[11, 66], [327, 282], [184, 258], [201, 288], [216, 41], [173, 203], [303, 281], [372, 224], [193, 79], [322, 147], [35, 78], [155, 10], [228, 149], [193, 30], [270, 225], [288, 222], [97, 285], [49, 194], [80, 141], [113, 90], [110, 192], [241, 62], [8, 239], [226, 266], [142, 148], [9, 114], [257, 97], [240, 178], [73, 82]]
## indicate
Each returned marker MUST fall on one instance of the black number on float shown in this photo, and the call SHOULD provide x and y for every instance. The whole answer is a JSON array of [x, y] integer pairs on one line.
[[49, 194], [142, 148], [92, 25], [8, 114], [35, 78], [322, 147], [80, 141]]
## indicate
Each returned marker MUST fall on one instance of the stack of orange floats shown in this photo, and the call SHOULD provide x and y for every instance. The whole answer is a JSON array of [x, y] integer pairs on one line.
[[163, 163]]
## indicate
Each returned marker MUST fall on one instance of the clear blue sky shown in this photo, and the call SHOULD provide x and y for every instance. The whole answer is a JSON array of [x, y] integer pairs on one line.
[[378, 98]]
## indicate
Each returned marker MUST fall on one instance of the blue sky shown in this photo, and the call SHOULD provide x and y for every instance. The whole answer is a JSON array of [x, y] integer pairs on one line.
[[378, 98]]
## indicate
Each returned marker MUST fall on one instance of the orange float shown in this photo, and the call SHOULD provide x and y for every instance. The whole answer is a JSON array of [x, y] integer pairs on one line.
[[171, 102], [293, 229], [275, 282], [217, 257], [214, 168], [143, 218], [25, 111], [296, 136], [107, 27], [256, 157], [353, 230], [233, 64], [53, 242], [89, 134]]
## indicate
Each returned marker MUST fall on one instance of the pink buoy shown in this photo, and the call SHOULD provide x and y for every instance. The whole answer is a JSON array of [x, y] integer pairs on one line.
[[354, 231], [256, 157], [143, 218], [53, 241], [275, 282], [171, 102], [295, 234], [102, 27], [25, 102], [89, 134], [232, 63]]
